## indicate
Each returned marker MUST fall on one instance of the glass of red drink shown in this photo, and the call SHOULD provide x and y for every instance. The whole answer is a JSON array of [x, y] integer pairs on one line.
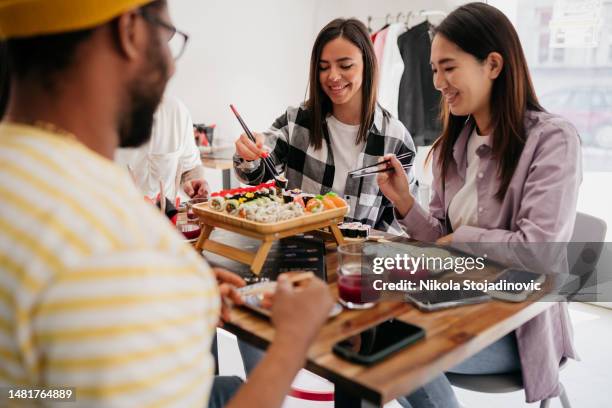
[[354, 283], [189, 230]]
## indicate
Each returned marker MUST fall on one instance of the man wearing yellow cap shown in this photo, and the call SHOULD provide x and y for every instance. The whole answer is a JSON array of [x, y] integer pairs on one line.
[[97, 292]]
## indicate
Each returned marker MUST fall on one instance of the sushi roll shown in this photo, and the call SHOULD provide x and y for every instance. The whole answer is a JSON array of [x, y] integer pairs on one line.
[[328, 203], [238, 193], [338, 201], [276, 199], [281, 182], [264, 200], [231, 206], [314, 206], [343, 229], [351, 230], [247, 210], [217, 203], [262, 192], [287, 197], [363, 231], [296, 208], [307, 197], [265, 218], [299, 200]]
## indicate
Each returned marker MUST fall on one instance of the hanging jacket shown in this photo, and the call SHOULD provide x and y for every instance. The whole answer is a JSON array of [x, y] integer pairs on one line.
[[419, 101]]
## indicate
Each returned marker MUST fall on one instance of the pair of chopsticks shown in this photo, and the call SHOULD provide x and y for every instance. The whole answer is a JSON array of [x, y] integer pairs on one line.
[[405, 159], [267, 160], [270, 286]]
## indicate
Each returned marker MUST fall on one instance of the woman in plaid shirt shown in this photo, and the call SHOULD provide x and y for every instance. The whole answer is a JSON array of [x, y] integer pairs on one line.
[[339, 128]]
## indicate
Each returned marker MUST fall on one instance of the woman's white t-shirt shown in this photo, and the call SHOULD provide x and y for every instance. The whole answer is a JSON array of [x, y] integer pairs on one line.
[[346, 153]]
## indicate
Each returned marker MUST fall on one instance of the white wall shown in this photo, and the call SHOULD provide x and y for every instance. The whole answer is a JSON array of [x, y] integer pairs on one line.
[[252, 54], [256, 55], [379, 9]]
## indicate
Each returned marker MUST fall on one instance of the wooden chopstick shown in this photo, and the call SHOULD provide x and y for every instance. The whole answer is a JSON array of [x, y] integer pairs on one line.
[[267, 161], [269, 287]]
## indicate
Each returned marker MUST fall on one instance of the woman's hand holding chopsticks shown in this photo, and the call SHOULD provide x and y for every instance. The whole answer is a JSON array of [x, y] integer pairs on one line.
[[249, 150], [395, 185]]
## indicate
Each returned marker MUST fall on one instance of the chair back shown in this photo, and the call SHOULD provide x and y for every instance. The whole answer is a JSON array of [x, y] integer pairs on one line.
[[584, 250]]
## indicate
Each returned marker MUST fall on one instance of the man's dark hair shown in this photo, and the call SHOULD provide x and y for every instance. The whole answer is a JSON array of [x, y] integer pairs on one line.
[[41, 57]]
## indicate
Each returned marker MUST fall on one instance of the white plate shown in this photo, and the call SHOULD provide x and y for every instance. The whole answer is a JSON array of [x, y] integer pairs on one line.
[[254, 303]]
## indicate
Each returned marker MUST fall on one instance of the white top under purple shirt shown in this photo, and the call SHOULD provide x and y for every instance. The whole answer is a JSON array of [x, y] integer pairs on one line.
[[463, 208]]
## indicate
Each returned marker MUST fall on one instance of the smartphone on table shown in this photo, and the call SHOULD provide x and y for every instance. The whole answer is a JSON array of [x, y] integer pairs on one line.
[[441, 299], [378, 342], [517, 277]]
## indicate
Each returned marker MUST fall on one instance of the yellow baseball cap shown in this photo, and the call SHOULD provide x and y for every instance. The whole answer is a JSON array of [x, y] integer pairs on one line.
[[28, 18]]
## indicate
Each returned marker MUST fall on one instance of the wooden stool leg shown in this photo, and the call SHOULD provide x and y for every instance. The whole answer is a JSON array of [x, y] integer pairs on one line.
[[260, 256], [203, 237], [337, 234]]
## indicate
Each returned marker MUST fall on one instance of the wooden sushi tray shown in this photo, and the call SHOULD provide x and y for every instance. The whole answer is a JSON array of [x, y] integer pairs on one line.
[[266, 232]]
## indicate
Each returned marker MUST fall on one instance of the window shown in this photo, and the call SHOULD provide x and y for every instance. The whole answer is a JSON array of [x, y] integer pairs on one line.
[[577, 84], [558, 55]]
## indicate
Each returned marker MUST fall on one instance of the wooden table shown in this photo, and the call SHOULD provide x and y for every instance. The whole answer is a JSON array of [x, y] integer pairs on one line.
[[452, 336], [225, 165]]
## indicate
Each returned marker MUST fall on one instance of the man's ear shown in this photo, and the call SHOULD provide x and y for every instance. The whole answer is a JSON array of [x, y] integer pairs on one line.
[[495, 62], [129, 37]]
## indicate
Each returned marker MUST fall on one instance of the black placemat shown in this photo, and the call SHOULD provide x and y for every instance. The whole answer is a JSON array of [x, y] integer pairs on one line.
[[302, 252]]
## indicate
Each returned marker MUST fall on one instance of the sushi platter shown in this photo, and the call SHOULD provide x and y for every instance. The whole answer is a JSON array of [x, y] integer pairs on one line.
[[268, 213]]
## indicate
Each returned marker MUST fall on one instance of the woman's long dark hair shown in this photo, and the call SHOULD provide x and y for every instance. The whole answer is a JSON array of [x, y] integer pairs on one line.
[[480, 29], [318, 103]]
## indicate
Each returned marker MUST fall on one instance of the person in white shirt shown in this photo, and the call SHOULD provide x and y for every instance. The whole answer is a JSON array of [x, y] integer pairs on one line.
[[171, 156]]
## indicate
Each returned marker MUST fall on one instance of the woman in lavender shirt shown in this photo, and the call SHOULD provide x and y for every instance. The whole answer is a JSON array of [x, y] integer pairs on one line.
[[505, 171]]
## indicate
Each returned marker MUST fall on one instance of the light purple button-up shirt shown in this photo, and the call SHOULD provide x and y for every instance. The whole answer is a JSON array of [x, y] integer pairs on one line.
[[539, 206]]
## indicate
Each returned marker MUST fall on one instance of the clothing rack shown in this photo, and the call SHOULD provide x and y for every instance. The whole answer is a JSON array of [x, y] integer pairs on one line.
[[391, 18]]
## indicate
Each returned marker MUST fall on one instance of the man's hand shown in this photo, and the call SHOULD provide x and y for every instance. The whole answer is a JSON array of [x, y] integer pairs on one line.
[[228, 282], [197, 188], [395, 185], [297, 315], [299, 312]]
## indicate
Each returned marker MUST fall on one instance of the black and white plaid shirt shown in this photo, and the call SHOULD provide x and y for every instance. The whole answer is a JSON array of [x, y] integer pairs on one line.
[[312, 170]]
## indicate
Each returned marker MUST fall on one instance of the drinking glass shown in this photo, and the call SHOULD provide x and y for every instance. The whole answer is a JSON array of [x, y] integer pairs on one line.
[[354, 282]]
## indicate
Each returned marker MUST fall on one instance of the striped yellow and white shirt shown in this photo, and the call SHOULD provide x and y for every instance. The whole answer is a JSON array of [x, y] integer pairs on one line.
[[97, 292]]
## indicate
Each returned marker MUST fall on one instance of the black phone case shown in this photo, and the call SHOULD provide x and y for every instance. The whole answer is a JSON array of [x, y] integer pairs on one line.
[[374, 358]]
